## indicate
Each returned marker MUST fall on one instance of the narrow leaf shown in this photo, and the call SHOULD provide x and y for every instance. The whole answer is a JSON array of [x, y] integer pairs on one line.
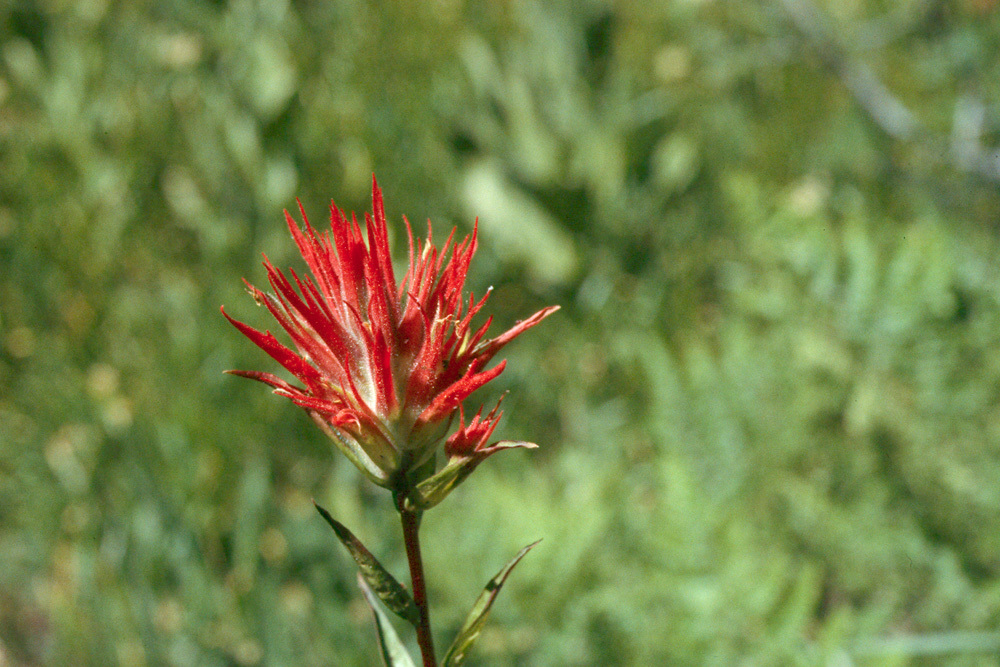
[[393, 652], [388, 590], [477, 617]]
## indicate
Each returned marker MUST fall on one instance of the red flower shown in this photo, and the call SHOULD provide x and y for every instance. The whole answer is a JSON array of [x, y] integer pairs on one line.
[[384, 366]]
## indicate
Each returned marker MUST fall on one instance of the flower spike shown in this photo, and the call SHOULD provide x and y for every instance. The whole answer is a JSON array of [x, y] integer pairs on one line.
[[383, 366]]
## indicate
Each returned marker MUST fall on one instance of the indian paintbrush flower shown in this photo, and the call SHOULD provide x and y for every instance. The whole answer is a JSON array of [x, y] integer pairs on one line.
[[385, 366]]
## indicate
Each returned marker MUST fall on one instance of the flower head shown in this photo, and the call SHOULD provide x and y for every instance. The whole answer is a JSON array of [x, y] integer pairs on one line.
[[384, 367]]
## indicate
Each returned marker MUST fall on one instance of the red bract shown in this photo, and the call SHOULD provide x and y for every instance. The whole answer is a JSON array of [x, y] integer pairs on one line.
[[470, 439], [384, 366]]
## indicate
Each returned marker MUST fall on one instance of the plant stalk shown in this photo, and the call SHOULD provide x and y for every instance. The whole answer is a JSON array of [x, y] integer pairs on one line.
[[411, 538]]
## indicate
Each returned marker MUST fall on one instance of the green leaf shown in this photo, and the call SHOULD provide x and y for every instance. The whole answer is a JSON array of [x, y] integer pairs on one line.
[[436, 488], [393, 652], [389, 591], [477, 617]]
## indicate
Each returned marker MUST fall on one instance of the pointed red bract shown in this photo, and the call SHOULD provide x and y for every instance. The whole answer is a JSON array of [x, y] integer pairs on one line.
[[385, 366], [472, 437]]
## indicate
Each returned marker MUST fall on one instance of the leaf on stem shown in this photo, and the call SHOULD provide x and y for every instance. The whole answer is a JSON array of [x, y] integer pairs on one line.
[[477, 617], [436, 488], [384, 585], [393, 652]]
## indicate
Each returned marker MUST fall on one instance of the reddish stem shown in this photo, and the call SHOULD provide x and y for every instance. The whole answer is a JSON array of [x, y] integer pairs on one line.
[[411, 538]]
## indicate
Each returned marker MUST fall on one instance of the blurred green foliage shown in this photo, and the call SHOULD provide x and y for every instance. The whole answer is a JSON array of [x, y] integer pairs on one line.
[[768, 411]]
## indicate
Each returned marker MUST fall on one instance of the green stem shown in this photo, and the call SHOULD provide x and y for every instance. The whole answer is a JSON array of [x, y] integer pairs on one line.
[[411, 538]]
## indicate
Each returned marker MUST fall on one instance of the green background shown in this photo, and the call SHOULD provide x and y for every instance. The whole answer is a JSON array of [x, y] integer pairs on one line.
[[767, 412]]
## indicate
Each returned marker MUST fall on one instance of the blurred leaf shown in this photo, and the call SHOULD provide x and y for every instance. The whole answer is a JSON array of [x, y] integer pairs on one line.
[[518, 228]]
